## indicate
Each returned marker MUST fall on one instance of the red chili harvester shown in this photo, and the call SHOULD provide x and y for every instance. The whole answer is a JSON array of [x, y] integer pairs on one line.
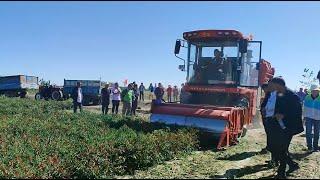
[[222, 92]]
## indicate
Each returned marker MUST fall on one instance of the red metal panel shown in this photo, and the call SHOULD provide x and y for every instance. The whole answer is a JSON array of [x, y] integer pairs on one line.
[[192, 111]]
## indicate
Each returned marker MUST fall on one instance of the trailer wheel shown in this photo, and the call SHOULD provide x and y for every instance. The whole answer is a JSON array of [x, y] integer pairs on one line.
[[97, 101], [38, 96], [23, 94], [56, 95], [85, 101]]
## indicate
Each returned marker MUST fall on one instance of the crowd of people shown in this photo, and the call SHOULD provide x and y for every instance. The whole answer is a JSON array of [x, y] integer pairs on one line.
[[129, 96], [283, 113]]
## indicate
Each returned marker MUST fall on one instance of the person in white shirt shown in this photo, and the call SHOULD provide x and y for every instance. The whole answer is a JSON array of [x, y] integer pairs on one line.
[[116, 98], [77, 97], [270, 108]]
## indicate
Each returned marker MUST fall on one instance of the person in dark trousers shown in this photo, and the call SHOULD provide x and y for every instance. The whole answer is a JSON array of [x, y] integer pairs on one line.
[[105, 99], [169, 93], [77, 97], [135, 100], [116, 98], [142, 89], [288, 110], [151, 89], [159, 92], [127, 98], [175, 93], [266, 91]]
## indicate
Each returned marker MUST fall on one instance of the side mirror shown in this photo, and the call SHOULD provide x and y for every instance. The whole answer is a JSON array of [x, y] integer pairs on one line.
[[177, 47], [182, 67], [243, 46]]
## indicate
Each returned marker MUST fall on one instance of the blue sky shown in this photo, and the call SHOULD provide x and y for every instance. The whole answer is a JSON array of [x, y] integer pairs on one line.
[[135, 40]]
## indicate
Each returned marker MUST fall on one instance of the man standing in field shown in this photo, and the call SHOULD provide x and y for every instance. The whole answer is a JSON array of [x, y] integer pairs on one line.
[[116, 97], [151, 89], [312, 118], [175, 93], [159, 92], [127, 98], [169, 93], [135, 99], [301, 94], [288, 110], [263, 112], [77, 97], [105, 98], [141, 89]]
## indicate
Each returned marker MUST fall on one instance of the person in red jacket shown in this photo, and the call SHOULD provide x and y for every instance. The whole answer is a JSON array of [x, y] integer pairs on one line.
[[169, 93]]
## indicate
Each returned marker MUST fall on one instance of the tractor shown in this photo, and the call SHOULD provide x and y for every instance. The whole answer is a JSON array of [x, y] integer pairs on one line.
[[48, 91], [221, 95]]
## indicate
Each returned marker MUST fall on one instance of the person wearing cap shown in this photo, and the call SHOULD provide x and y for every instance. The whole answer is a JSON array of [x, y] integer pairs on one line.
[[312, 118], [288, 109], [105, 98], [77, 97]]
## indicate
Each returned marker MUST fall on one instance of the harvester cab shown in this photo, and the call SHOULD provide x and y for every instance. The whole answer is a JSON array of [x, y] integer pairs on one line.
[[222, 90]]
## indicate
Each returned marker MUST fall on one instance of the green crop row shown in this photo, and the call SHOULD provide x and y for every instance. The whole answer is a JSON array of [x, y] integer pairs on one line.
[[39, 139]]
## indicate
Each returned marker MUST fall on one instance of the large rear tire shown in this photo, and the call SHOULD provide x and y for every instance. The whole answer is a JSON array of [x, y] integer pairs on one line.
[[56, 95]]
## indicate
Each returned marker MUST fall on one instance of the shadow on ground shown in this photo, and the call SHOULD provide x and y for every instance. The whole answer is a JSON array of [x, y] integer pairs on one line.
[[237, 173], [239, 156], [299, 156]]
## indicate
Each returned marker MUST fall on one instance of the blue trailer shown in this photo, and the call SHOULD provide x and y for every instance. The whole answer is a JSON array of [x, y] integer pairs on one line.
[[17, 86], [91, 90]]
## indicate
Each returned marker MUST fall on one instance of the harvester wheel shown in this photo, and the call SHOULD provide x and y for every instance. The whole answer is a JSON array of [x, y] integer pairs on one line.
[[56, 95]]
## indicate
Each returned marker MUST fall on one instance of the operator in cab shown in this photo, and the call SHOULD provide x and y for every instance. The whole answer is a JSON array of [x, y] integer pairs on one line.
[[217, 56], [215, 70]]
